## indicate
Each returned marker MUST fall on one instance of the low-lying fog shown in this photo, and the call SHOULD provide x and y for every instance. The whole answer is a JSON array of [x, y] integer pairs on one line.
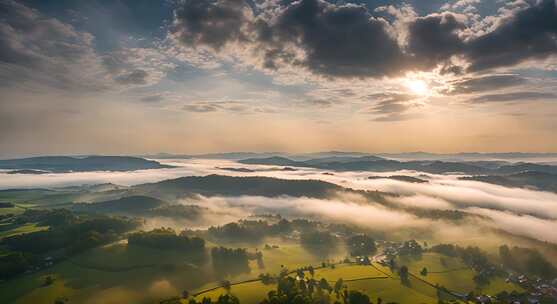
[[519, 211]]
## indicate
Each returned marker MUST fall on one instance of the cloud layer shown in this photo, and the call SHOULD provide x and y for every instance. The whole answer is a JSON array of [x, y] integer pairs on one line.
[[349, 40], [518, 211]]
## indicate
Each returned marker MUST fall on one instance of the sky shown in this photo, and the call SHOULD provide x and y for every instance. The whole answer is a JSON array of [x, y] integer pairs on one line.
[[195, 76]]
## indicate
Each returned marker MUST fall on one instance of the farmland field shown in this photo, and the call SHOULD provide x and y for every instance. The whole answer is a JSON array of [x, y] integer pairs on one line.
[[7, 230]]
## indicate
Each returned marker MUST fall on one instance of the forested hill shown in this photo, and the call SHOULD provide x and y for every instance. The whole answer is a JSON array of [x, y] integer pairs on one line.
[[60, 164], [234, 186], [129, 204]]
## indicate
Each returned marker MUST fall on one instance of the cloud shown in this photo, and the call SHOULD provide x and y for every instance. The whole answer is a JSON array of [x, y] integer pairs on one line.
[[138, 77], [45, 51], [347, 41], [392, 106], [460, 4], [152, 98], [214, 106], [308, 34], [201, 107], [212, 23], [465, 194], [486, 83], [135, 66], [321, 103], [434, 39], [41, 53], [528, 34], [524, 225], [519, 211], [319, 31], [514, 96], [422, 201], [342, 211]]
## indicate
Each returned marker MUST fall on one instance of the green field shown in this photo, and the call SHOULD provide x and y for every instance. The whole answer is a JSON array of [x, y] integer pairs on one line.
[[119, 273], [14, 210], [7, 230], [124, 274], [454, 274], [371, 280], [357, 277]]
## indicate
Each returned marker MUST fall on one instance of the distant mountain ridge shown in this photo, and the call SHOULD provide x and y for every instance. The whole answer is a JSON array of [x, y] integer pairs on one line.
[[530, 179], [59, 164], [463, 156], [377, 164]]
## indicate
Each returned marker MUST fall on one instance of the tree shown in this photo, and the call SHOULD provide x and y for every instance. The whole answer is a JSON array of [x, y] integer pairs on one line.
[[392, 264], [59, 301], [361, 245], [206, 300], [226, 285], [227, 299], [403, 273], [338, 286], [185, 294], [423, 272], [411, 248], [356, 297], [311, 271], [48, 281], [323, 284]]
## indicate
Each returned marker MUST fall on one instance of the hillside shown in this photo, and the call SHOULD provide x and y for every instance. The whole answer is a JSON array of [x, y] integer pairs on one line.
[[130, 204], [233, 186]]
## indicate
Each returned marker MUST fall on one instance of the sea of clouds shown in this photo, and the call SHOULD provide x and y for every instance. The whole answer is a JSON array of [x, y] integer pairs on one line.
[[522, 212]]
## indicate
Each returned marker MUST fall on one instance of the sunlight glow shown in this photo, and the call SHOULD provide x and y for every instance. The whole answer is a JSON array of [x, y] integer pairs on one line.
[[418, 87]]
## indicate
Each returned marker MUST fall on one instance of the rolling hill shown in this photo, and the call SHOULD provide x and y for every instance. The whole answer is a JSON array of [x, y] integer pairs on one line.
[[234, 186]]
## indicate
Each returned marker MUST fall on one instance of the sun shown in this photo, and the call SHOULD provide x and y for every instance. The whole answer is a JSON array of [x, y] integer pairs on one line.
[[418, 87]]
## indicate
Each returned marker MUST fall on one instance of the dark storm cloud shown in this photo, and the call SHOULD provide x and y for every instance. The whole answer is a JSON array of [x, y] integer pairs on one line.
[[530, 34], [346, 40], [487, 83], [211, 23], [434, 39], [515, 96], [337, 40]]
